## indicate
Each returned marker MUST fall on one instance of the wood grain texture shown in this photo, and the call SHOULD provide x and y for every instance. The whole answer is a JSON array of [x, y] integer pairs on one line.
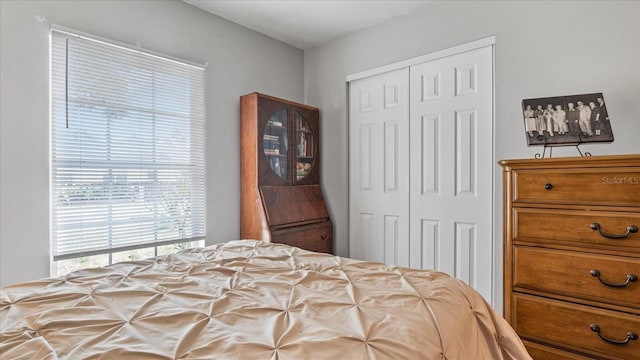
[[613, 186], [252, 216], [544, 352], [316, 237], [550, 248], [270, 202], [573, 228], [569, 273], [293, 204], [565, 324]]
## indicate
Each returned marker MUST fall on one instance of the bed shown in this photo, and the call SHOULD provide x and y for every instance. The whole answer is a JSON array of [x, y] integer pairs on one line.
[[247, 299]]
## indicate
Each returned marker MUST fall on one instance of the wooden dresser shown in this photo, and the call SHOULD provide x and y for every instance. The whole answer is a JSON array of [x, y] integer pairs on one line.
[[572, 256]]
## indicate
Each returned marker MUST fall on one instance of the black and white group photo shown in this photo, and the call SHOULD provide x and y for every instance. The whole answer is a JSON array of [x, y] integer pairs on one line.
[[566, 120]]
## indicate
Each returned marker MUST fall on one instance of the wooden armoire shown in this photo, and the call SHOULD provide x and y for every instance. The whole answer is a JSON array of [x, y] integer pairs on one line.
[[281, 198]]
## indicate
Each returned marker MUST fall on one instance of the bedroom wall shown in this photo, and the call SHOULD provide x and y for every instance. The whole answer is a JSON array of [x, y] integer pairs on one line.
[[542, 49], [240, 61]]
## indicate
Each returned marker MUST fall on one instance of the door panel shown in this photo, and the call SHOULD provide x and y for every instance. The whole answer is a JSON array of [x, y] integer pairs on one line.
[[379, 168], [421, 167], [451, 166]]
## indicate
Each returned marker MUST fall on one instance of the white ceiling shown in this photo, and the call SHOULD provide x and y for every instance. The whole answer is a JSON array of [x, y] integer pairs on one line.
[[308, 23]]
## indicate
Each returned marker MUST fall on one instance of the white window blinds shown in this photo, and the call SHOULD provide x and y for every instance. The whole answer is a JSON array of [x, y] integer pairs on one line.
[[127, 143]]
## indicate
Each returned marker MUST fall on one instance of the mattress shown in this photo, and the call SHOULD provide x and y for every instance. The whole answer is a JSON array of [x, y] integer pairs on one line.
[[247, 299]]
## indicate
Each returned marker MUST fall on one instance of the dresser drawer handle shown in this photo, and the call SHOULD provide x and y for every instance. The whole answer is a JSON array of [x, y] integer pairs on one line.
[[548, 186], [324, 237], [630, 278], [630, 336], [630, 229]]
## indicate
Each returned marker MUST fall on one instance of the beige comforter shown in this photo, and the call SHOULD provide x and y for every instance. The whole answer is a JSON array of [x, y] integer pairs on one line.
[[250, 300]]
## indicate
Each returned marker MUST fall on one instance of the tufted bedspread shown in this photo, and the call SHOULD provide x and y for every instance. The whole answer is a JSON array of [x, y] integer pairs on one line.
[[251, 300]]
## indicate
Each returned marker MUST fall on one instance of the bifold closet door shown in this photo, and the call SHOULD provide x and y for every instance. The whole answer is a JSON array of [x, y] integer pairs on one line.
[[379, 168], [451, 137]]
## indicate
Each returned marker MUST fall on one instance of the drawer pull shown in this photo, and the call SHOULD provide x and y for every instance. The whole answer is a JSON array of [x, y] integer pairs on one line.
[[324, 237], [630, 278], [630, 336], [548, 186], [630, 229]]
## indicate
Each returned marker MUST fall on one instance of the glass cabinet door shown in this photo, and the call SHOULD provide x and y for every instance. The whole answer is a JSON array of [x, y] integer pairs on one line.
[[275, 143], [305, 147]]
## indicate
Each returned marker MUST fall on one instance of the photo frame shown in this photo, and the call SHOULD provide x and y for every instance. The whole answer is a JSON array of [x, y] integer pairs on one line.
[[567, 120]]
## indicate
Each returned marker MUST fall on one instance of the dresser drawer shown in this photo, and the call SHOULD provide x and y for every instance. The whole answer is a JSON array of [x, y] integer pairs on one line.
[[578, 275], [570, 326], [316, 237], [542, 352], [611, 187], [596, 229]]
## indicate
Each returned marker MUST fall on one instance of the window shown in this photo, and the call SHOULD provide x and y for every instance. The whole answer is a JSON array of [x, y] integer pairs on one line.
[[127, 153]]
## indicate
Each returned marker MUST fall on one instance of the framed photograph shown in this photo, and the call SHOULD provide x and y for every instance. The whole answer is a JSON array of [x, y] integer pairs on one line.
[[566, 120]]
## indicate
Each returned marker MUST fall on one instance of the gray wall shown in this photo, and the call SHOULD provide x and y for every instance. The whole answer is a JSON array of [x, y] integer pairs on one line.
[[240, 61], [543, 48]]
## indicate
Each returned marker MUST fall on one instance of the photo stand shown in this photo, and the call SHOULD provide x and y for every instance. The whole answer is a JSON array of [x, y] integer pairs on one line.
[[583, 135]]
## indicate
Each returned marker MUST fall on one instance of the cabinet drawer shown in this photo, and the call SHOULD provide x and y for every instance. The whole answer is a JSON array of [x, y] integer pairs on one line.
[[316, 237], [570, 274], [611, 187], [542, 352], [570, 326], [578, 228]]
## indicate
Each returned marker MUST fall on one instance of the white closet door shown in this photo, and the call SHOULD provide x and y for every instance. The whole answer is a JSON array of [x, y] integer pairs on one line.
[[379, 168], [451, 145]]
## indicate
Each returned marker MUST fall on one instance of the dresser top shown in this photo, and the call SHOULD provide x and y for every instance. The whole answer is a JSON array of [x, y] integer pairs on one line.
[[573, 162]]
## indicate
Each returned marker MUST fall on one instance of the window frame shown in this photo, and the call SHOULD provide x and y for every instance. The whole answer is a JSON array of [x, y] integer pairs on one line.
[[196, 169]]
